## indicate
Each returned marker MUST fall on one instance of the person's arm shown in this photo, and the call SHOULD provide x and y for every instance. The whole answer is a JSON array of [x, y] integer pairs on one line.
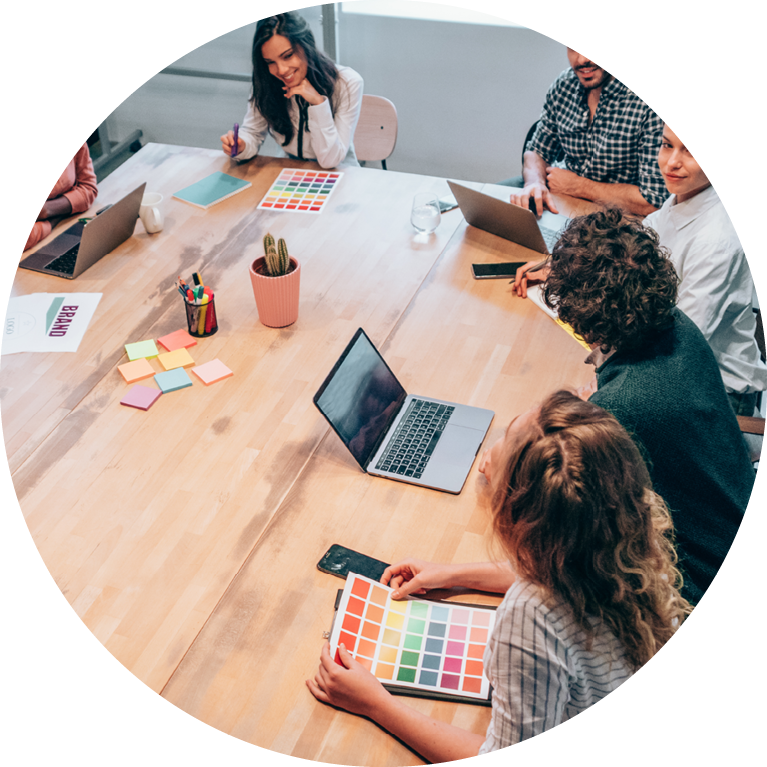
[[416, 576], [81, 196], [627, 196], [353, 688], [251, 135], [332, 134], [536, 187]]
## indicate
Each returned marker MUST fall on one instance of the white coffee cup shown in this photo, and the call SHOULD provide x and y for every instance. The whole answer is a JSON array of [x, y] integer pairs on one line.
[[149, 212]]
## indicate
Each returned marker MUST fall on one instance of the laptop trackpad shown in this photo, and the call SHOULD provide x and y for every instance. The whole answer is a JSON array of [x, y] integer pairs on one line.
[[457, 445]]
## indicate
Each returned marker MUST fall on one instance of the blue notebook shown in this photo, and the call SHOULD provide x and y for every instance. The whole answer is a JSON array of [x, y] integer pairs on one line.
[[212, 189]]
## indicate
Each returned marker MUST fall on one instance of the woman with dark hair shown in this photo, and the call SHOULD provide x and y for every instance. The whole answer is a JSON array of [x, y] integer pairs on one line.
[[592, 591], [308, 104]]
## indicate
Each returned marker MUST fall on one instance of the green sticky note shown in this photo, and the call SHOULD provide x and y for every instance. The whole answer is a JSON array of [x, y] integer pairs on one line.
[[141, 349]]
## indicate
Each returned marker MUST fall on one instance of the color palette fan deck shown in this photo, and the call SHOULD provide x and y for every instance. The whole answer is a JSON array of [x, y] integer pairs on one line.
[[432, 647], [301, 191]]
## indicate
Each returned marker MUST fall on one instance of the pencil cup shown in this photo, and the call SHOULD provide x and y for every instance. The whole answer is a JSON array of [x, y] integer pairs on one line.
[[201, 320]]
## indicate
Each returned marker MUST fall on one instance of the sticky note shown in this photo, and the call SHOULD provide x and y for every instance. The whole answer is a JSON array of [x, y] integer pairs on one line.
[[180, 339], [141, 349], [172, 380], [212, 371], [179, 358], [141, 397], [136, 370]]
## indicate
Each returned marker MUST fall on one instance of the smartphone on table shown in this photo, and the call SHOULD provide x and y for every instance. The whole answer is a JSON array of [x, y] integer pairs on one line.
[[496, 271], [340, 561]]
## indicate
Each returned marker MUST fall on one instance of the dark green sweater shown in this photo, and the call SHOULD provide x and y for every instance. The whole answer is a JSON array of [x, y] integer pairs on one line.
[[670, 397]]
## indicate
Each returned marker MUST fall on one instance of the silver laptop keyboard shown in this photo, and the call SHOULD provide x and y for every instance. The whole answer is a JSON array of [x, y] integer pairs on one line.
[[66, 262], [415, 438], [550, 236]]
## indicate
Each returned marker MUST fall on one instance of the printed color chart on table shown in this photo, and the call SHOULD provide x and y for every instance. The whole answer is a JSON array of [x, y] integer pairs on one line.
[[302, 191], [432, 647]]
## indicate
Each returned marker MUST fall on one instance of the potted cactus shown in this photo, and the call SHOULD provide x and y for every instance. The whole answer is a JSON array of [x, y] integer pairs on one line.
[[275, 278]]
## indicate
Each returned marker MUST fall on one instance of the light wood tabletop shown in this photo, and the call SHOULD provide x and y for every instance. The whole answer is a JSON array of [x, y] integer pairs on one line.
[[186, 537]]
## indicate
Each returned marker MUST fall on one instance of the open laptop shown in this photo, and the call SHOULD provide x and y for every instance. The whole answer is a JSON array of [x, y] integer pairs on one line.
[[391, 434], [509, 221], [85, 243]]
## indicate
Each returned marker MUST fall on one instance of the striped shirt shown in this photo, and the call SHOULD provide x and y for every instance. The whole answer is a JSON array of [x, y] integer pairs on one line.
[[541, 672], [619, 146]]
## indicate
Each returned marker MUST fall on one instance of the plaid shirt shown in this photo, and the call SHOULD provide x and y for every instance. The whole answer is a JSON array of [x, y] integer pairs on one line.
[[619, 146]]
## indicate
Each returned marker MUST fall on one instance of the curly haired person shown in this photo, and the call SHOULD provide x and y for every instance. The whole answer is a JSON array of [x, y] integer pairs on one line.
[[655, 372], [589, 576]]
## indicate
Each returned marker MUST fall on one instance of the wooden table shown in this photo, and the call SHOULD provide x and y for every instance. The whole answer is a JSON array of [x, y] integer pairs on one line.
[[186, 537]]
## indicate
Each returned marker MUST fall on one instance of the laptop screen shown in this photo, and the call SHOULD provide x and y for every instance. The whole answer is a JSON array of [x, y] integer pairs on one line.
[[360, 397]]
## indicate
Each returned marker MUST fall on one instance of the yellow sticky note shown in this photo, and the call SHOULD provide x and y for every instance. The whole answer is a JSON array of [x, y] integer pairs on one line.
[[179, 358]]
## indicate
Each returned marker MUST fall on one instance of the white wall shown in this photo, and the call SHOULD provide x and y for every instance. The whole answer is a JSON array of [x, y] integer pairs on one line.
[[465, 93]]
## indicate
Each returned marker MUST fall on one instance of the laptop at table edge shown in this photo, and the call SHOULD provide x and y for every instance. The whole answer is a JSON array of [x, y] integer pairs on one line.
[[99, 237], [468, 427], [506, 220]]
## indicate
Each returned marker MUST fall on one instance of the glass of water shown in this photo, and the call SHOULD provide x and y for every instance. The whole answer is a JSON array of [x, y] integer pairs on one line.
[[424, 215]]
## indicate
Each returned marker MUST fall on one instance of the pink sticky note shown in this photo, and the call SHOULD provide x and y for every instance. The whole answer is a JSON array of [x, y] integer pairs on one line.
[[141, 397], [212, 371], [180, 339]]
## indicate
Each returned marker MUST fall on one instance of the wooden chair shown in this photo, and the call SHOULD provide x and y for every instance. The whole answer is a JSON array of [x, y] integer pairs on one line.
[[376, 132]]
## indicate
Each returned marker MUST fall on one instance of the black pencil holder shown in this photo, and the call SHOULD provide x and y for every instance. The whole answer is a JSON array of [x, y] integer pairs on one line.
[[201, 319]]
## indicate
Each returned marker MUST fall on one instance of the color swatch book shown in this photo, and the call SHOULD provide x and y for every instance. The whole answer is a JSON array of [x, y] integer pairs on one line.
[[212, 189], [414, 646], [302, 191]]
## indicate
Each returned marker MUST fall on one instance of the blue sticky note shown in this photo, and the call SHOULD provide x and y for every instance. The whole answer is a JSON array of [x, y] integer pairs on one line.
[[172, 380]]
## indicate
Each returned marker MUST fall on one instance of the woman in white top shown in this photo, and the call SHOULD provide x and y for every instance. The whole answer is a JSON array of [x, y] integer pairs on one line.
[[715, 285], [308, 104], [590, 580]]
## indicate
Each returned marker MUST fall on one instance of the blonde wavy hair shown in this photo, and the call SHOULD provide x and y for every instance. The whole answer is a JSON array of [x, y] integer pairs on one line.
[[576, 514]]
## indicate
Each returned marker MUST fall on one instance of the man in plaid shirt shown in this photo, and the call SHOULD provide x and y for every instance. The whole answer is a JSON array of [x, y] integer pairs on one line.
[[609, 139]]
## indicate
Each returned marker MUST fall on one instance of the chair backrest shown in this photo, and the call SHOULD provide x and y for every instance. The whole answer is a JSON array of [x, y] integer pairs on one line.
[[376, 132]]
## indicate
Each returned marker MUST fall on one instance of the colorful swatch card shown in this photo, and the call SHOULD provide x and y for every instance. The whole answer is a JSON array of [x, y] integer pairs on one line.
[[212, 371], [180, 339], [136, 370], [141, 397], [434, 648], [173, 380], [141, 349], [301, 191], [180, 358]]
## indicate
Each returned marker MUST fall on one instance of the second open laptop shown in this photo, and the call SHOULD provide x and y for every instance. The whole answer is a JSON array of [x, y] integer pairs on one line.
[[509, 221], [392, 434], [84, 243]]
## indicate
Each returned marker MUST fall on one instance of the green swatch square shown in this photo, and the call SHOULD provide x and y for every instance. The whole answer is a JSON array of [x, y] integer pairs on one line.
[[406, 675], [419, 610], [413, 642], [416, 626], [409, 659]]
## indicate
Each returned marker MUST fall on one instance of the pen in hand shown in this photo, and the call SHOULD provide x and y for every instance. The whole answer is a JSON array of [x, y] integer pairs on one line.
[[235, 145]]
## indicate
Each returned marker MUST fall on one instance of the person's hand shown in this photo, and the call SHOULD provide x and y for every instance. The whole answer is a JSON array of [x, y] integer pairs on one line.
[[522, 278], [227, 142], [306, 90], [351, 686], [415, 576], [538, 192], [563, 181], [55, 208], [584, 392]]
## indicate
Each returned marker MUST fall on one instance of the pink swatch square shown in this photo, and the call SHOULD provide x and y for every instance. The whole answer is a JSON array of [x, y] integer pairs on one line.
[[212, 371], [141, 397]]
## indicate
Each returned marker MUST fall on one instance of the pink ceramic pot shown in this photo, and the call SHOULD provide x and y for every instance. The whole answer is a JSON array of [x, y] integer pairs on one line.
[[276, 297]]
